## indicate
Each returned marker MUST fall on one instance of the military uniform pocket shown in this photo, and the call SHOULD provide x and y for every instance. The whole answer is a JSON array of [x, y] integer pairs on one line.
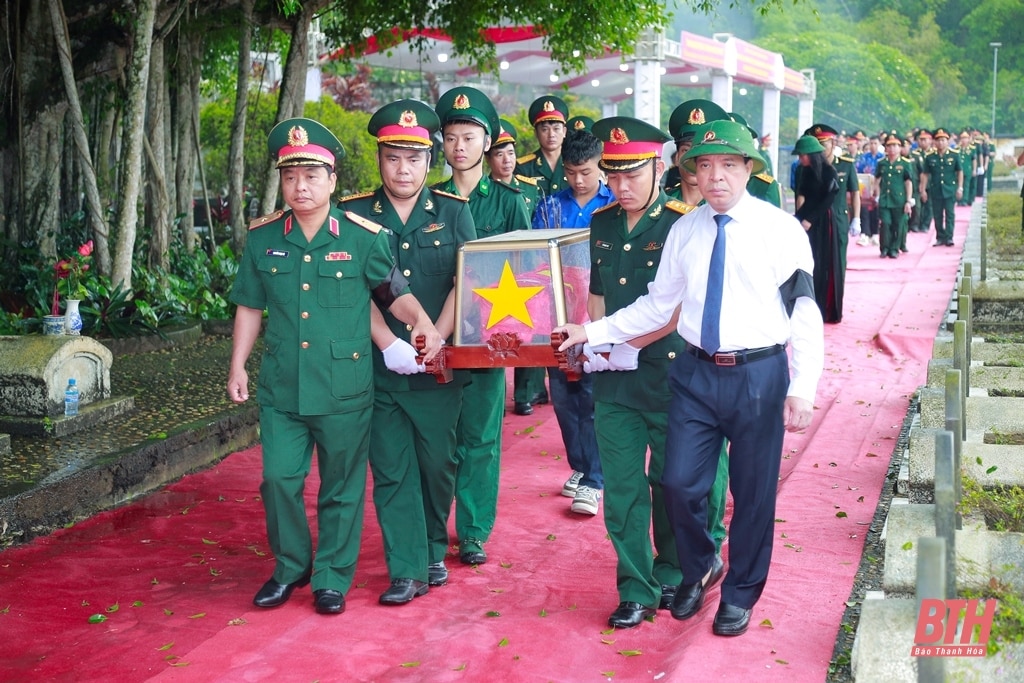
[[436, 252], [278, 281], [338, 284], [351, 367]]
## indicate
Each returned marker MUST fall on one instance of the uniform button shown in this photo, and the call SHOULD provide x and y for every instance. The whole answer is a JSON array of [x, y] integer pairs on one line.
[[305, 345], [338, 274], [407, 272], [408, 328], [622, 280], [671, 354], [305, 286], [437, 243], [355, 355], [627, 247], [307, 258], [650, 263], [273, 270], [405, 245], [305, 314]]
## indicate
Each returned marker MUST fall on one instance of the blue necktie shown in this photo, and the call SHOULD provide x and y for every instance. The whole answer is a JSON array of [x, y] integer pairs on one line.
[[709, 340]]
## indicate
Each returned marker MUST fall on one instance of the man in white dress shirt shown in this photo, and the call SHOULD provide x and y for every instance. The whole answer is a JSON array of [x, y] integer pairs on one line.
[[734, 380]]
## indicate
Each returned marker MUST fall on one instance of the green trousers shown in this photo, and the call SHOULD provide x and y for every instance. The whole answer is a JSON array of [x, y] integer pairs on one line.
[[478, 455], [412, 458], [634, 501], [945, 218], [288, 441], [527, 383]]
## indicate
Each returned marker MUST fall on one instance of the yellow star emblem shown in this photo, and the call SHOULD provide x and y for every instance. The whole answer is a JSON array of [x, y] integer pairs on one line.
[[508, 299]]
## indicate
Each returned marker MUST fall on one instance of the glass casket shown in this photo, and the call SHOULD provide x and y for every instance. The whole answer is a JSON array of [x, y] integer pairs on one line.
[[512, 290]]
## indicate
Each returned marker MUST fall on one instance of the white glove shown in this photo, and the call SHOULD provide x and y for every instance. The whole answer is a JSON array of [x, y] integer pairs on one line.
[[855, 226], [400, 357], [595, 362], [912, 202], [623, 357], [980, 172]]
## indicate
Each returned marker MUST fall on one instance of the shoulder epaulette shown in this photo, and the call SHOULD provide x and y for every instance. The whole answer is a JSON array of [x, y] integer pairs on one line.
[[449, 194], [526, 158], [357, 195], [526, 179], [605, 208], [845, 158], [364, 223], [263, 220], [906, 158], [765, 177], [679, 207], [506, 186]]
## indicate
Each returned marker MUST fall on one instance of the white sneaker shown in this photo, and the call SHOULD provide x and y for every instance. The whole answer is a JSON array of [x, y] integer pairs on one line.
[[874, 240], [863, 241], [586, 500], [571, 484]]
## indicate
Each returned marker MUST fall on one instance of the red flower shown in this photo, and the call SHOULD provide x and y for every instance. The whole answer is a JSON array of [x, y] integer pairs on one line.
[[86, 250], [73, 270]]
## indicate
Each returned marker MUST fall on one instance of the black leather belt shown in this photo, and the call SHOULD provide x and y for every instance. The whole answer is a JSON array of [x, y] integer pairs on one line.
[[735, 357]]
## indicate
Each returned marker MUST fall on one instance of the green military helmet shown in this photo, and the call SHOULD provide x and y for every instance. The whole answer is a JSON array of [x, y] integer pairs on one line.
[[304, 142], [807, 144], [691, 115], [739, 119], [508, 134], [723, 137], [548, 108], [629, 143], [408, 124], [464, 104], [580, 123]]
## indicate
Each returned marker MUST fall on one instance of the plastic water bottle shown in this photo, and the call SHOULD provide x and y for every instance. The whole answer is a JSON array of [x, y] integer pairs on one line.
[[71, 397]]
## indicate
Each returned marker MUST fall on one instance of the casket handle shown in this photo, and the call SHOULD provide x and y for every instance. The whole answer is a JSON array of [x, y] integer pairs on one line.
[[570, 361], [438, 365]]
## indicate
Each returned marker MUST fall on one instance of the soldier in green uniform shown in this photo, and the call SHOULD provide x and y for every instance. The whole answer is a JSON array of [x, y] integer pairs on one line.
[[894, 191], [761, 185], [943, 183], [501, 158], [626, 238], [969, 161], [685, 119], [313, 269], [412, 439], [924, 148], [467, 120], [548, 116], [846, 205]]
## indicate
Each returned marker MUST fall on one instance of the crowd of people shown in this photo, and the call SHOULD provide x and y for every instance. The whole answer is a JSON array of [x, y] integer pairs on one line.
[[703, 339]]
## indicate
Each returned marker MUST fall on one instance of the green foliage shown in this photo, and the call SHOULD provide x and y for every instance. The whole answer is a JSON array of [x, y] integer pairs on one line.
[[1008, 624], [1003, 233], [1001, 506]]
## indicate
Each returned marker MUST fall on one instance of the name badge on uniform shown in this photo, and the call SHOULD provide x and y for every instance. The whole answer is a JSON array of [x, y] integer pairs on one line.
[[338, 256], [277, 252], [603, 245], [434, 227]]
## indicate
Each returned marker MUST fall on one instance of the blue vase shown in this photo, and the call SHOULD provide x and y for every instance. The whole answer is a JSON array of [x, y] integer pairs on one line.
[[72, 318]]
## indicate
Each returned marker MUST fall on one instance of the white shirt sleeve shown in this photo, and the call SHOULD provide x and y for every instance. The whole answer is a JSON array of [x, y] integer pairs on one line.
[[807, 337]]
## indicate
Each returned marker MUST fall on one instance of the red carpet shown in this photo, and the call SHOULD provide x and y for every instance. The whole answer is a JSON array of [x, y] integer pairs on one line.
[[175, 573]]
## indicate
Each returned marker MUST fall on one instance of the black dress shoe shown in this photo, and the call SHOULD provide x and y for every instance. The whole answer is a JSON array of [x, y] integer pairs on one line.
[[690, 597], [949, 243], [522, 409], [472, 552], [731, 620], [629, 614], [540, 398], [274, 594], [403, 591], [668, 595], [328, 601], [437, 574]]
